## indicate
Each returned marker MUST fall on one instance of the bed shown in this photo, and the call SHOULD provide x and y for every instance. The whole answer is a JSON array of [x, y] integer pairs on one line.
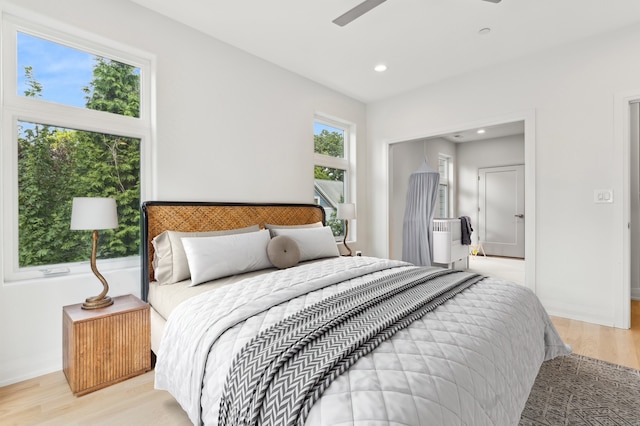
[[329, 339]]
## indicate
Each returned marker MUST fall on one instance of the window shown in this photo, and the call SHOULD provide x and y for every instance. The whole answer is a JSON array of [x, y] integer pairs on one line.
[[76, 123], [73, 77], [332, 169], [444, 167]]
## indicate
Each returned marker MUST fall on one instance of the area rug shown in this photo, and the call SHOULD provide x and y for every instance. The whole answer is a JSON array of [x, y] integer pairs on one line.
[[577, 390]]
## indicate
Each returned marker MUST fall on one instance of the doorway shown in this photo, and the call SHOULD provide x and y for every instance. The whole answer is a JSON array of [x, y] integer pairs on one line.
[[627, 137], [634, 197], [405, 156], [501, 210]]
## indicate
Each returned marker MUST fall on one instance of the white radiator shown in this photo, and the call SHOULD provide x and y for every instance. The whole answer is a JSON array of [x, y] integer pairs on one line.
[[447, 246]]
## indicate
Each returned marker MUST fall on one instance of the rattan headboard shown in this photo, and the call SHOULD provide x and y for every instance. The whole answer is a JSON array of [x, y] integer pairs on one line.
[[160, 216]]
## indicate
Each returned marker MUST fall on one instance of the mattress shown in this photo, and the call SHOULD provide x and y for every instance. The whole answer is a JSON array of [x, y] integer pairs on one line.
[[164, 298]]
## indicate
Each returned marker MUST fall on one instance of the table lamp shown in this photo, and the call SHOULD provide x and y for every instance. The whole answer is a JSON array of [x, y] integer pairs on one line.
[[346, 212], [94, 213]]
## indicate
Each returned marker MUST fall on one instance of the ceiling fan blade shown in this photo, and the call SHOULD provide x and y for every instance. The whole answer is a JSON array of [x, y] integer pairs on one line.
[[357, 11], [363, 8]]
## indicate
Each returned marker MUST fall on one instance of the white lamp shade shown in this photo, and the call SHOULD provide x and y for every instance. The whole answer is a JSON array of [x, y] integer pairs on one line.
[[91, 213], [346, 211]]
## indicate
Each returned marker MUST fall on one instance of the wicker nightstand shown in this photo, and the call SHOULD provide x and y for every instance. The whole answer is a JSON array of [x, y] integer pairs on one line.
[[105, 346]]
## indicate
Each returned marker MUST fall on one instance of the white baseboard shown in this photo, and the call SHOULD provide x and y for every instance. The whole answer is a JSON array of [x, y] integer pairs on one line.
[[577, 312], [23, 369]]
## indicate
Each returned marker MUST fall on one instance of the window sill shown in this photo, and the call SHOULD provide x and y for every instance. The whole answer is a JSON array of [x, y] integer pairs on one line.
[[69, 270]]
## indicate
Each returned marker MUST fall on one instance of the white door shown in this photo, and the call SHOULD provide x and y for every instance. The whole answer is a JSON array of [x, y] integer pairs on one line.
[[501, 210]]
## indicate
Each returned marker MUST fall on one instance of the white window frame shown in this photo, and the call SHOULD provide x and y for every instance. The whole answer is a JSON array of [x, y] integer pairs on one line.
[[20, 108], [445, 180], [347, 163]]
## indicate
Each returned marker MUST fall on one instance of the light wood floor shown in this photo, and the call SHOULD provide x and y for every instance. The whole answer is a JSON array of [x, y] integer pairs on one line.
[[608, 344], [47, 400]]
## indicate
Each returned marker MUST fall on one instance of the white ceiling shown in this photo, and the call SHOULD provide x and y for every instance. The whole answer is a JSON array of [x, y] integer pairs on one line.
[[421, 41], [488, 132]]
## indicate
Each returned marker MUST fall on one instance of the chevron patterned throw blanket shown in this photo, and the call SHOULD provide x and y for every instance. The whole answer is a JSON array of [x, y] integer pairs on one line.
[[278, 376]]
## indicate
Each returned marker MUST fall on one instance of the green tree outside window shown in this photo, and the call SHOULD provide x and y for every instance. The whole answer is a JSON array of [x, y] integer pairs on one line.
[[56, 164]]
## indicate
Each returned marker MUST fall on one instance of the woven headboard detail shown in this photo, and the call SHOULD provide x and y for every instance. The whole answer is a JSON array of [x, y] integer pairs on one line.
[[160, 216]]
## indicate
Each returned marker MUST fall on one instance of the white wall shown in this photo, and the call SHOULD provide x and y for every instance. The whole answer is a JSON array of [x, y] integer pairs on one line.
[[573, 90], [504, 151], [230, 127]]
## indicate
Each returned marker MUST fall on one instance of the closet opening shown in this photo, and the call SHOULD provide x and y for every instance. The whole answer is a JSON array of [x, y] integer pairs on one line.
[[479, 166]]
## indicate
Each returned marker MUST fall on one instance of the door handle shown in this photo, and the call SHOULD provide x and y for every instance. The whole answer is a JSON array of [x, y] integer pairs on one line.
[[520, 215]]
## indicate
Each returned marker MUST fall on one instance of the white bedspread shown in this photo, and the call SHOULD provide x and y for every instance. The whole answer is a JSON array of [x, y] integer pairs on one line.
[[471, 361]]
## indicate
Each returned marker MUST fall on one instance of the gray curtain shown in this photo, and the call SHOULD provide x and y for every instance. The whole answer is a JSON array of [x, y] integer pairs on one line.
[[417, 233]]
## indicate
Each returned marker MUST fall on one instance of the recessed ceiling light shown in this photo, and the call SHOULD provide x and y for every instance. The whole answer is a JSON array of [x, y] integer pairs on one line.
[[481, 131], [380, 68], [484, 31]]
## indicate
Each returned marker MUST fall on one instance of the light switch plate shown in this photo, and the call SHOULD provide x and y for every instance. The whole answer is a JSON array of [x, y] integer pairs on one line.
[[603, 196]]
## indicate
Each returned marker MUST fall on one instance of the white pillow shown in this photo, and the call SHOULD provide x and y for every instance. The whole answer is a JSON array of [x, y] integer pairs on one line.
[[169, 260], [270, 226], [314, 243], [216, 257]]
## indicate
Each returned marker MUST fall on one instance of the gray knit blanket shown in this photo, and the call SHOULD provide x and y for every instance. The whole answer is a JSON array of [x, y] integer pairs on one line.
[[278, 376]]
